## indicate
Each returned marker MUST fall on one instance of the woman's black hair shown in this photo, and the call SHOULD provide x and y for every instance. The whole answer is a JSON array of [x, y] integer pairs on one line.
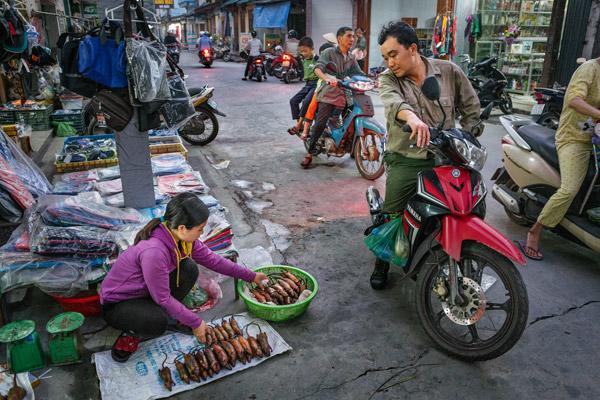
[[184, 209], [401, 31]]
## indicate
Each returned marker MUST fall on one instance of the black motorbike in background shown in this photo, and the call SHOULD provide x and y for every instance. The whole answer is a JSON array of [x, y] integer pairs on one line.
[[173, 50], [489, 83], [549, 106]]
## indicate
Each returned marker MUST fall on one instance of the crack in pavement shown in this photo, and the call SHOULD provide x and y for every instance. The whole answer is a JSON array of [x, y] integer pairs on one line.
[[568, 310], [402, 368]]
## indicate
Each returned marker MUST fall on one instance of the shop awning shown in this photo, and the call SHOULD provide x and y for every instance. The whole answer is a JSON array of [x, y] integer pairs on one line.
[[271, 15], [228, 3], [205, 9]]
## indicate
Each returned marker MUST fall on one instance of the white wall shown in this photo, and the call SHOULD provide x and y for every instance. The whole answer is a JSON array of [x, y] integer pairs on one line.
[[328, 16], [383, 11]]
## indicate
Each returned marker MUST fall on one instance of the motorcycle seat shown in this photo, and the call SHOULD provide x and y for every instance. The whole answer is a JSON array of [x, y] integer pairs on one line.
[[195, 90], [542, 141]]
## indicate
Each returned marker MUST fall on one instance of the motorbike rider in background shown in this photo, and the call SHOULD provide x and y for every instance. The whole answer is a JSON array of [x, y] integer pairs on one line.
[[400, 91], [330, 98], [204, 41], [573, 145], [253, 47], [171, 37], [292, 43]]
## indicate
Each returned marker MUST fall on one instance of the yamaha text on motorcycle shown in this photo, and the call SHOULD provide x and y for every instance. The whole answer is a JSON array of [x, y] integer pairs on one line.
[[470, 297]]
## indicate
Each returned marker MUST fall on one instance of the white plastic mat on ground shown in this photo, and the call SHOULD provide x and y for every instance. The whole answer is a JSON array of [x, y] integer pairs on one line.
[[138, 379]]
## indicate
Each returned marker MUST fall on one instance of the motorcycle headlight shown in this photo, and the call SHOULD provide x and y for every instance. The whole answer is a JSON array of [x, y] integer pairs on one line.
[[472, 155]]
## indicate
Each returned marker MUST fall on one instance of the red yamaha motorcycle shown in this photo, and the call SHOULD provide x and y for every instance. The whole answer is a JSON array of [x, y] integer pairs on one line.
[[470, 297]]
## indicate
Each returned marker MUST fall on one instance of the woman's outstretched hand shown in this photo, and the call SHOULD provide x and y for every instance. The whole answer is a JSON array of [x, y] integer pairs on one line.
[[260, 277], [200, 332]]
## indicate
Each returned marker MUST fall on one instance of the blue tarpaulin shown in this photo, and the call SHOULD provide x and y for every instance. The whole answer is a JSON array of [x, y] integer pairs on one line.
[[272, 15]]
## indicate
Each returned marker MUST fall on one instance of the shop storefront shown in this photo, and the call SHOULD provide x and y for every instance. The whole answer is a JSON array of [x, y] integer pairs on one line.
[[516, 32]]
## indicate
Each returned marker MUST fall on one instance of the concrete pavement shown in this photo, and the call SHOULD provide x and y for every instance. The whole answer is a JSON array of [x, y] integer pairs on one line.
[[356, 343]]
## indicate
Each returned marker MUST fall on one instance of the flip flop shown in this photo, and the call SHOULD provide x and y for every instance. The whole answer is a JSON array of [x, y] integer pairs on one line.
[[293, 131], [306, 163], [530, 252]]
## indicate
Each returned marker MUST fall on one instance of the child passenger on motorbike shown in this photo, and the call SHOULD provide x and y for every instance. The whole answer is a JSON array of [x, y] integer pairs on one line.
[[304, 96], [400, 91], [573, 145]]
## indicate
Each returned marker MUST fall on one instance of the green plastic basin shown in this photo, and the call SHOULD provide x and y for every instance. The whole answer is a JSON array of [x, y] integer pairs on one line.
[[274, 312]]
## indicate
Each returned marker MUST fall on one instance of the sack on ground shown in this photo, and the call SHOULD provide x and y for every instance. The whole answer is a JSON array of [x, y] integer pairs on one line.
[[388, 242]]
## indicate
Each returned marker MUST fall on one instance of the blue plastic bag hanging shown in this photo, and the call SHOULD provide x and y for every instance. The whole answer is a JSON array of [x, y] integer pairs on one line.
[[389, 243]]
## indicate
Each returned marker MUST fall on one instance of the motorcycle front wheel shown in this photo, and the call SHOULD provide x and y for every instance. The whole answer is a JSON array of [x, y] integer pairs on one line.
[[368, 156], [505, 103], [201, 129], [495, 297]]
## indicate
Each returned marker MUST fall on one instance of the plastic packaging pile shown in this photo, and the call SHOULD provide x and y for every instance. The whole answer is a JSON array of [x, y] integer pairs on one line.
[[71, 232], [21, 181]]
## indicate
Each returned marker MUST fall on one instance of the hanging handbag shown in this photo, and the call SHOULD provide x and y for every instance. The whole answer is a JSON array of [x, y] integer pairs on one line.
[[115, 106], [102, 59]]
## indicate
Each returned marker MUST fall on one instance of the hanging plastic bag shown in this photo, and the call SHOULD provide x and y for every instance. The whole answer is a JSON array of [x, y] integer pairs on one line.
[[64, 129], [179, 110], [389, 243], [148, 64]]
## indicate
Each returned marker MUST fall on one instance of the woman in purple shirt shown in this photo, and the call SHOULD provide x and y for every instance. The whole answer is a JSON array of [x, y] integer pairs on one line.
[[149, 280]]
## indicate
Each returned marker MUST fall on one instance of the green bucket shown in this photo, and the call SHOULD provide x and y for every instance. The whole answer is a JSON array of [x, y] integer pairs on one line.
[[279, 313]]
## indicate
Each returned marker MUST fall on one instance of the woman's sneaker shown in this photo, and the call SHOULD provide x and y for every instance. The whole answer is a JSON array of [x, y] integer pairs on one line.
[[125, 345]]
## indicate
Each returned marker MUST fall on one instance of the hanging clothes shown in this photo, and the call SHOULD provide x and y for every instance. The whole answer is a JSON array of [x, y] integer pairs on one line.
[[444, 36]]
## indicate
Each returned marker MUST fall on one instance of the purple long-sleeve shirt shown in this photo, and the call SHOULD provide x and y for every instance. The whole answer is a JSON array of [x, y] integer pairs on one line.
[[143, 270]]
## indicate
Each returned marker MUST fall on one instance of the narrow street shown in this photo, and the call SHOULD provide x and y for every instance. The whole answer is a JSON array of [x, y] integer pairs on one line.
[[356, 343]]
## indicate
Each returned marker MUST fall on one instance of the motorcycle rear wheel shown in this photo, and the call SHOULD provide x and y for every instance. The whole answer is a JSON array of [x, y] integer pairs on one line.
[[516, 307], [370, 170], [505, 103], [195, 131], [550, 120]]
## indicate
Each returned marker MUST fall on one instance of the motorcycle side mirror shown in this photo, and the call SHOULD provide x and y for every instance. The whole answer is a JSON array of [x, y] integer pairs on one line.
[[486, 112], [431, 88]]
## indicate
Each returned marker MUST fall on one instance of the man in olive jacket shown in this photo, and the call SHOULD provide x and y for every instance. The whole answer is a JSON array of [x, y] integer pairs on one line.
[[400, 91]]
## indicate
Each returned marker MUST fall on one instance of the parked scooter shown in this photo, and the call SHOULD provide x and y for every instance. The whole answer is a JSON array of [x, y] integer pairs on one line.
[[470, 297], [489, 83], [359, 134], [203, 127], [531, 175], [173, 50], [222, 51], [272, 67], [206, 57], [549, 106]]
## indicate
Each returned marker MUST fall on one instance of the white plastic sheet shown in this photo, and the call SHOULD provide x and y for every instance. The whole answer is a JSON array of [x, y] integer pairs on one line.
[[139, 379]]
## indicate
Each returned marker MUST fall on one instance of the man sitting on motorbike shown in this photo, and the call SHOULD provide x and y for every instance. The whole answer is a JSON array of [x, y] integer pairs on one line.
[[292, 43], [400, 91], [573, 145], [330, 97], [204, 41], [171, 37], [304, 96], [253, 47]]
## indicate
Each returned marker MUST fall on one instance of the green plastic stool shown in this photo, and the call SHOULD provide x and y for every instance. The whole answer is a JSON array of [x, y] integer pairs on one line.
[[62, 345], [23, 346]]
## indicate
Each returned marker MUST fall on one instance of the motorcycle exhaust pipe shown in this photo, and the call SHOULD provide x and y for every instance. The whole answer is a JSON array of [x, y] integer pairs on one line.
[[506, 199]]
